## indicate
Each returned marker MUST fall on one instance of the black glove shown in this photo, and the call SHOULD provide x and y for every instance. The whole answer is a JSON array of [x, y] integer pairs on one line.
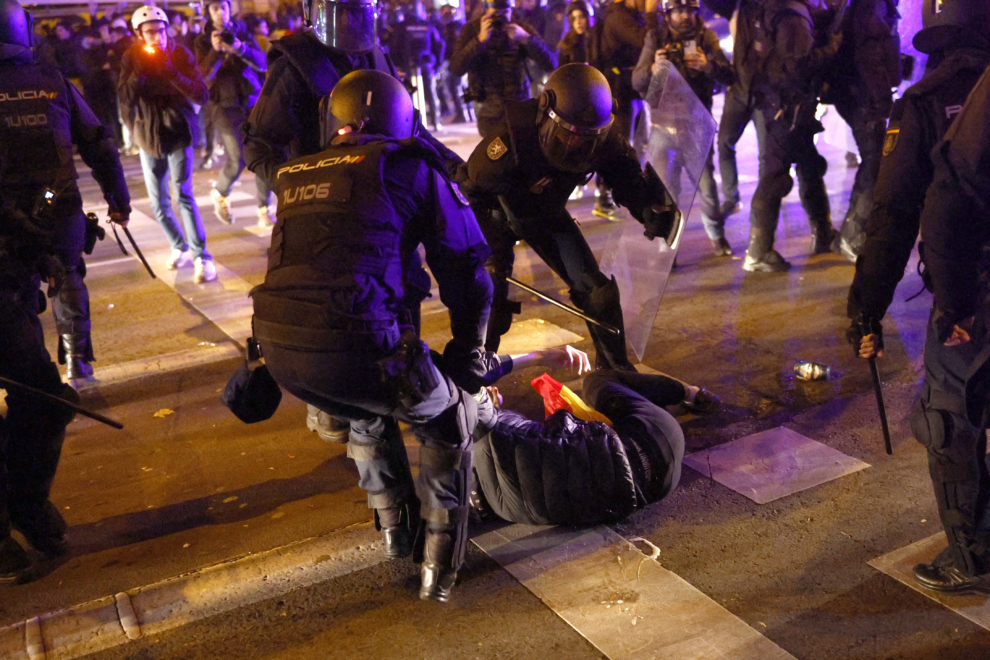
[[467, 367], [53, 271], [94, 232], [659, 220], [862, 327]]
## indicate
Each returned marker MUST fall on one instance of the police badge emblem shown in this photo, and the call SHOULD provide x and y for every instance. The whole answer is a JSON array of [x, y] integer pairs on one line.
[[890, 142], [497, 149]]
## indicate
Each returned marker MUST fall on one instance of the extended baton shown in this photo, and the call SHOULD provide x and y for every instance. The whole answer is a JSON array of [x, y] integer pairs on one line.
[[568, 308], [51, 398], [127, 233], [880, 405]]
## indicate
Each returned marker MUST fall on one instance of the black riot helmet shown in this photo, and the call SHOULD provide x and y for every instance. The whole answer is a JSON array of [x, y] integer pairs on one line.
[[15, 24], [953, 24], [575, 116], [347, 25], [373, 102]]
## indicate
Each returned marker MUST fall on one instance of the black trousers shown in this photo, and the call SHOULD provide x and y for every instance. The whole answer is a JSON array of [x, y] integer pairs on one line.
[[788, 140], [227, 124], [869, 127], [32, 432], [956, 452], [347, 382], [559, 242]]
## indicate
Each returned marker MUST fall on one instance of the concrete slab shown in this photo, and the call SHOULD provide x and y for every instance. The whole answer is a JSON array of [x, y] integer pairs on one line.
[[158, 365], [900, 563], [621, 600], [535, 335], [772, 464]]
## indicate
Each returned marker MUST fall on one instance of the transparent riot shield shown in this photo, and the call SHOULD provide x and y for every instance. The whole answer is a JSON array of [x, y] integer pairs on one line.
[[681, 132]]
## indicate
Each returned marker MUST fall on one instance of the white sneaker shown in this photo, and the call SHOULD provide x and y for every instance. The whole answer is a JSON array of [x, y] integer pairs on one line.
[[205, 271], [178, 259], [264, 218], [221, 207]]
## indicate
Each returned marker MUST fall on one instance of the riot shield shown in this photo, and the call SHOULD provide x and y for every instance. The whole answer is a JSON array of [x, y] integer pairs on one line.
[[681, 132]]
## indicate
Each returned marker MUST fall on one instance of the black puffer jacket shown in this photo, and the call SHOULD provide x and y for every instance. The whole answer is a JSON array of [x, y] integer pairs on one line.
[[561, 471]]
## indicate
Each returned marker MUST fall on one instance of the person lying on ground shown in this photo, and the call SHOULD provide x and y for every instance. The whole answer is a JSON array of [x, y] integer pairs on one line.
[[565, 471]]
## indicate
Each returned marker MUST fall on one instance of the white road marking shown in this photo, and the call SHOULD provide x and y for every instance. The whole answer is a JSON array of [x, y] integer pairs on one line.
[[772, 464], [899, 564], [621, 600]]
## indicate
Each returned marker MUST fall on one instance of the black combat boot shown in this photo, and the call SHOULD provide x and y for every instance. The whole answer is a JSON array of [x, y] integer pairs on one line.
[[397, 527], [43, 527], [760, 255], [960, 568], [328, 427], [437, 576], [14, 562], [823, 235], [77, 353]]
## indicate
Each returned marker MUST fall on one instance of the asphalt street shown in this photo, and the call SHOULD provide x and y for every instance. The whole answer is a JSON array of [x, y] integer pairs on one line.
[[186, 485]]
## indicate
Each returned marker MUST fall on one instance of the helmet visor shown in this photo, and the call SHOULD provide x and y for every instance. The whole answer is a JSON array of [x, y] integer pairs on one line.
[[569, 147], [348, 26]]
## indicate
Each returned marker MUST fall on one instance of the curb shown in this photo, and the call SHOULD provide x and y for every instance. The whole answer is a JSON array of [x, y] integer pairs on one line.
[[101, 624]]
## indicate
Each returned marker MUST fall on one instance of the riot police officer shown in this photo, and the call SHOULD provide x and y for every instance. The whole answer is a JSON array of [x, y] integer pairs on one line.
[[785, 98], [41, 234], [519, 180], [865, 69], [39, 129], [286, 122], [334, 327], [955, 38], [419, 49]]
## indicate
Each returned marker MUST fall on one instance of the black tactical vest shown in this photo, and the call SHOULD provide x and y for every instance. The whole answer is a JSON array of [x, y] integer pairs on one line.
[[337, 240], [35, 132]]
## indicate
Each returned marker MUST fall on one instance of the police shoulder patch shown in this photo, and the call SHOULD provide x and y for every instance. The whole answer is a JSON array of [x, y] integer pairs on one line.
[[890, 142], [497, 149]]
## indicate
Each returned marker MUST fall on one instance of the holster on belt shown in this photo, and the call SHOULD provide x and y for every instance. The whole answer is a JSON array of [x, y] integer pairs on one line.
[[409, 370]]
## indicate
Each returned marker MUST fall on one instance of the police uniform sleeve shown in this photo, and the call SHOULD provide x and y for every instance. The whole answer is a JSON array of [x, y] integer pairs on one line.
[[274, 122], [456, 252], [955, 224], [898, 197], [620, 170], [98, 152]]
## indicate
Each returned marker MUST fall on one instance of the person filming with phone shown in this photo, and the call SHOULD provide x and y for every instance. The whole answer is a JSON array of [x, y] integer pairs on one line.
[[682, 38]]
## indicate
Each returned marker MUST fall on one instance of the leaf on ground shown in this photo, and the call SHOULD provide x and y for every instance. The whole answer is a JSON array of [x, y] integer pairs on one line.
[[164, 412]]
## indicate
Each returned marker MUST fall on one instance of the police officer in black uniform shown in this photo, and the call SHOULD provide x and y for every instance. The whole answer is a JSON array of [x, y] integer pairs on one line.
[[419, 49], [41, 116], [785, 99], [334, 327], [955, 37], [62, 120], [286, 122], [519, 181], [865, 69], [956, 226]]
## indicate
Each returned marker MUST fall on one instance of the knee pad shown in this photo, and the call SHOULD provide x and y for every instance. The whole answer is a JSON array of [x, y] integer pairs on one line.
[[779, 186], [453, 427], [929, 426]]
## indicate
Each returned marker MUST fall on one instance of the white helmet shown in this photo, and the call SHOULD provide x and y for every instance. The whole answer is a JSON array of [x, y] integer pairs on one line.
[[148, 13]]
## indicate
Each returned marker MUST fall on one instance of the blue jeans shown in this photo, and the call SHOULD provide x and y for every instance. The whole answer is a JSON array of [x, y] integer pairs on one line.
[[179, 163]]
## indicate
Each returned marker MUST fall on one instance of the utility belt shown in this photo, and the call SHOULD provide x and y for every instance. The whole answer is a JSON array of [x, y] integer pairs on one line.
[[316, 327]]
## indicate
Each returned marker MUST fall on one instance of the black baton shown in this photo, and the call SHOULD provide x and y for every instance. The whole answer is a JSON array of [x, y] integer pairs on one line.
[[567, 308], [127, 233], [880, 406], [51, 398]]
